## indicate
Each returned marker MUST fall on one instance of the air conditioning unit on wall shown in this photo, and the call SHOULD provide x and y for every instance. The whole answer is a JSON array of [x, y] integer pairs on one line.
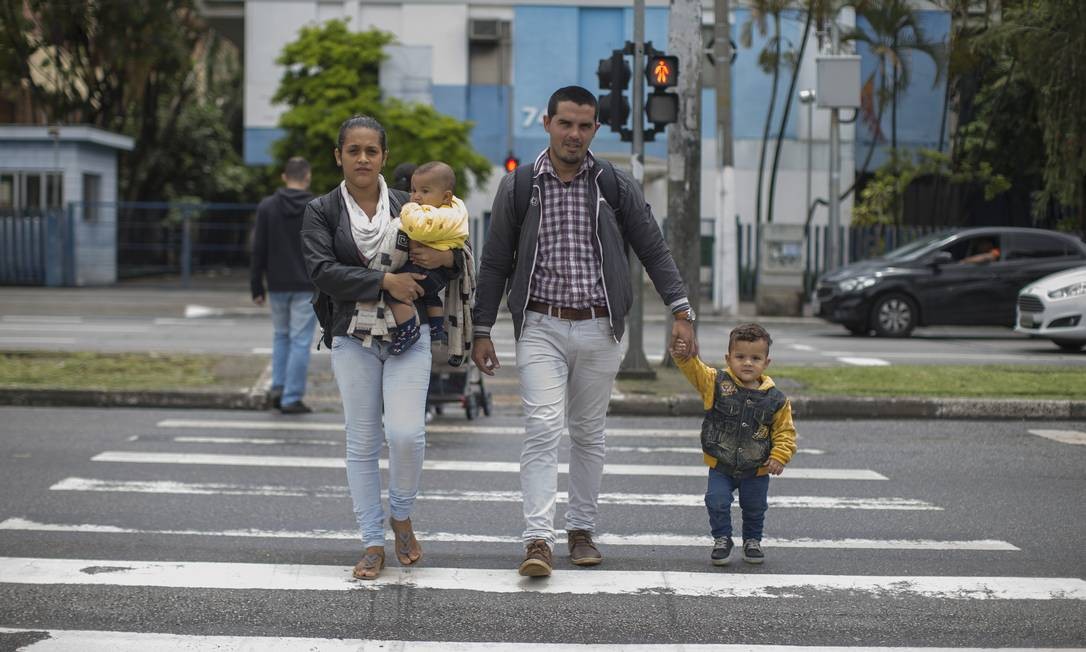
[[486, 30]]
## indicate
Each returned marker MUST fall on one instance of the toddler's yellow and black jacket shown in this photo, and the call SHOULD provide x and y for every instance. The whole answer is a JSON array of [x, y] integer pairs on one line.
[[743, 428]]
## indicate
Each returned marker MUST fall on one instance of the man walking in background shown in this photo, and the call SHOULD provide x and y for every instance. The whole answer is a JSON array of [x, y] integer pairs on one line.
[[277, 255]]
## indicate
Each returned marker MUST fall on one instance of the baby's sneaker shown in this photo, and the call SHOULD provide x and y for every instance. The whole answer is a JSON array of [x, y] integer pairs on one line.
[[722, 551], [404, 336], [437, 330], [752, 551]]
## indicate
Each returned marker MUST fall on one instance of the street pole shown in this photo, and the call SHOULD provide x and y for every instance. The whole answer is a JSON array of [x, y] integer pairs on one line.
[[684, 154], [726, 277], [807, 96], [833, 244], [635, 364]]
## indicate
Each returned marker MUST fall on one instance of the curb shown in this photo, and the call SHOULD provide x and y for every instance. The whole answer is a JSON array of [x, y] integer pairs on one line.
[[807, 407], [243, 400], [855, 407]]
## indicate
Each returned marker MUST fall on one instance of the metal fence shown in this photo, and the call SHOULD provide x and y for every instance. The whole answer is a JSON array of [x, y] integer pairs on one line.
[[32, 248], [158, 238]]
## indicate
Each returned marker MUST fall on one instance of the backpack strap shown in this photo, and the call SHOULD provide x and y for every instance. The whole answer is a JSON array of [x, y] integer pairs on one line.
[[522, 187]]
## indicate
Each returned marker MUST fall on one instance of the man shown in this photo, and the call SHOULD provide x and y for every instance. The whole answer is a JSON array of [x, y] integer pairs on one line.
[[277, 254], [565, 263]]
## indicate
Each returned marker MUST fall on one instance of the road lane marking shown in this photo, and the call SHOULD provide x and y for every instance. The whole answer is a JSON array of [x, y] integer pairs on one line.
[[312, 577], [274, 441], [864, 362], [36, 340], [175, 321], [337, 491], [82, 328], [63, 640], [802, 347], [433, 428], [689, 450], [47, 319], [1062, 436], [644, 539], [475, 466], [260, 441]]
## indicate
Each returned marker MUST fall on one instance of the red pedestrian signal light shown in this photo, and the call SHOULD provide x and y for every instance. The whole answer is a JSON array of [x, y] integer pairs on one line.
[[511, 163], [662, 71]]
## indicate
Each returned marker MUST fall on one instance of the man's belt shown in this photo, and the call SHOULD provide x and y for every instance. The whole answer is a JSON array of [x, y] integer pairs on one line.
[[573, 314]]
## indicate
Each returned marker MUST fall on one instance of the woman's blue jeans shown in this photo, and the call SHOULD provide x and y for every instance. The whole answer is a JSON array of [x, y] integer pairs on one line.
[[373, 382], [753, 501]]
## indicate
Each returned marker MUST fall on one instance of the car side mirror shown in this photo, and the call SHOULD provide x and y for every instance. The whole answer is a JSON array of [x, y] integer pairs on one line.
[[942, 258]]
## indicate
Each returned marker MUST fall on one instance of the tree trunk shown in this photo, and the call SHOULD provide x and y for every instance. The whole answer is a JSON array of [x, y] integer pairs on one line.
[[684, 154]]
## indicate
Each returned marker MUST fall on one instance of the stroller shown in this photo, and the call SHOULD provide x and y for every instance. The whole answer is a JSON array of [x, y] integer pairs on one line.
[[462, 385]]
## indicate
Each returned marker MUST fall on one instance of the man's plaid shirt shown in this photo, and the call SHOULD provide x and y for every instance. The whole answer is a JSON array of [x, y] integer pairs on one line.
[[567, 270]]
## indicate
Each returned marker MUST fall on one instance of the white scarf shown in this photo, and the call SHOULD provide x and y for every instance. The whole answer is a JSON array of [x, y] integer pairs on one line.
[[368, 231]]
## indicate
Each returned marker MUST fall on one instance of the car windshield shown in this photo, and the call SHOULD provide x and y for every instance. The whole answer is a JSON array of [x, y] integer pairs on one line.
[[910, 250]]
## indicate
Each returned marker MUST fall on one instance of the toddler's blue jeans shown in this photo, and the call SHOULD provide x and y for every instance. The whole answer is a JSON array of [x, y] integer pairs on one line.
[[753, 501]]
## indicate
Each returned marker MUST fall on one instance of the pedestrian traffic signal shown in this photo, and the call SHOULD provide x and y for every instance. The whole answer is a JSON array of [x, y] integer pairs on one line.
[[511, 163], [662, 108], [662, 71], [614, 76]]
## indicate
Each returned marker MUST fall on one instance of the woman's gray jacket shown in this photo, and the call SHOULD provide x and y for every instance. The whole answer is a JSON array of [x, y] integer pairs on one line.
[[508, 257]]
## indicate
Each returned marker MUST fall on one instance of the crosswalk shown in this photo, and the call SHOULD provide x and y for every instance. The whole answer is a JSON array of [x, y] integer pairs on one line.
[[278, 487]]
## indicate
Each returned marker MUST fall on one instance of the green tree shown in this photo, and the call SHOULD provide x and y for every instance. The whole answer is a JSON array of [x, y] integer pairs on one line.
[[1040, 49], [150, 69], [893, 32], [331, 73]]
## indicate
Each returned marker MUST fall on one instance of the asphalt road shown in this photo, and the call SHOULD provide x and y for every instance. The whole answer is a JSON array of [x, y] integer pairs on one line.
[[800, 342], [880, 533]]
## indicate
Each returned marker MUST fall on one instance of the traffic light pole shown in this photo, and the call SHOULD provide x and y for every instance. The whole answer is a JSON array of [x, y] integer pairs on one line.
[[635, 364]]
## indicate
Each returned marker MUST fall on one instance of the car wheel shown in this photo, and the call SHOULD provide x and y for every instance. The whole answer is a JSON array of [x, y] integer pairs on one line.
[[893, 315], [1069, 345]]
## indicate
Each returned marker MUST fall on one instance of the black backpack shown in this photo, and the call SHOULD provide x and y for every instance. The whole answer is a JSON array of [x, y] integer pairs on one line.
[[322, 303]]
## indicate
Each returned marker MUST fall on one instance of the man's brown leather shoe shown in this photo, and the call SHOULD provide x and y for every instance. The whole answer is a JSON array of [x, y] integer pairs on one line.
[[582, 552], [537, 559]]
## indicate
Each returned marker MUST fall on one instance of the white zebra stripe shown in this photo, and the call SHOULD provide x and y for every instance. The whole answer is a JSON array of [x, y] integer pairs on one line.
[[645, 539], [475, 466], [64, 640], [294, 577], [674, 500]]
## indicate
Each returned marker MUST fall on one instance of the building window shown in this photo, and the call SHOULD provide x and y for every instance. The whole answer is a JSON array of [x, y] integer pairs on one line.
[[92, 195], [490, 59], [31, 193]]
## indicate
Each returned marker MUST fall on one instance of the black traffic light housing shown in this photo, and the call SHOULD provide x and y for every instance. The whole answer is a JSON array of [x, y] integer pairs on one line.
[[614, 76], [662, 73], [661, 107]]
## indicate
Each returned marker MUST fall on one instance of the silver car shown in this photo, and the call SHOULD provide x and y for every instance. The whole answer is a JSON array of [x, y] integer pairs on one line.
[[1054, 307]]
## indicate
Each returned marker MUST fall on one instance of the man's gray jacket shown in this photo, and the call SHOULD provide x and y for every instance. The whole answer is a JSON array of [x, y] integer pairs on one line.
[[509, 254]]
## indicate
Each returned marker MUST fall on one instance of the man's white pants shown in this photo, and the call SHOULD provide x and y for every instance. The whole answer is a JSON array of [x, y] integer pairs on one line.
[[566, 368]]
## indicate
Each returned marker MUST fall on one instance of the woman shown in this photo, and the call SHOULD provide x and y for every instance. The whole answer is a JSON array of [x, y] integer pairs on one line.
[[340, 235]]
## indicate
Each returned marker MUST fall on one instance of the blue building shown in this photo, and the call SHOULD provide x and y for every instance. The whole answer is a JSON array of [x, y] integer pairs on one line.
[[496, 63]]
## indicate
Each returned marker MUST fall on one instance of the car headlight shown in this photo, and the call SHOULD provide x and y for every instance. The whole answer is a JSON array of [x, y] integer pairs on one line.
[[857, 284], [1073, 290]]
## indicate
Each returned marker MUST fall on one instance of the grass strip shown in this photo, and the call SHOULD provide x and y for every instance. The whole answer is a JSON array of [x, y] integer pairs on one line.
[[942, 381], [127, 371]]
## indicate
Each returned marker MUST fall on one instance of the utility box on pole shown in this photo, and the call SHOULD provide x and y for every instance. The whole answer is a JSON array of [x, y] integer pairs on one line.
[[838, 81], [780, 276]]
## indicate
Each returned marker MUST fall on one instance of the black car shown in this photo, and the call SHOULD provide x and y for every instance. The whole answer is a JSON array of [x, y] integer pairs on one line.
[[960, 277]]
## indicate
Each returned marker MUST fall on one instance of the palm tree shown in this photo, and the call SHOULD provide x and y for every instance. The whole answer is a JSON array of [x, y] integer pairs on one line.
[[797, 61], [893, 32], [770, 61]]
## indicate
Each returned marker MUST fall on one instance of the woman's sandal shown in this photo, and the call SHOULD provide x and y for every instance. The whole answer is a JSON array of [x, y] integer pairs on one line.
[[406, 543], [371, 564]]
